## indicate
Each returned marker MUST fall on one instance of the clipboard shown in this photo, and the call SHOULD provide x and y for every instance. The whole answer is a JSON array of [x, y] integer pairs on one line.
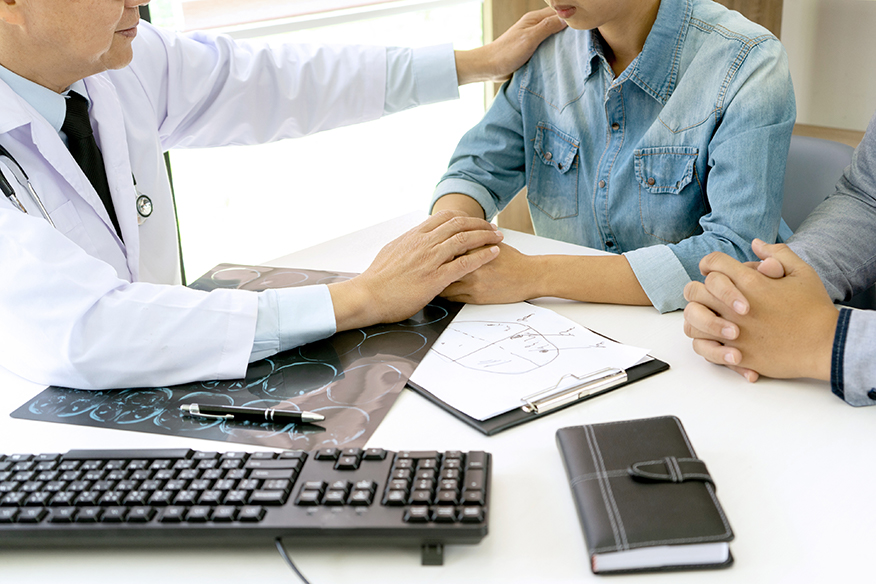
[[546, 402]]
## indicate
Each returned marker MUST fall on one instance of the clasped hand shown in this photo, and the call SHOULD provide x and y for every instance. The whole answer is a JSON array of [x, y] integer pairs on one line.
[[770, 318]]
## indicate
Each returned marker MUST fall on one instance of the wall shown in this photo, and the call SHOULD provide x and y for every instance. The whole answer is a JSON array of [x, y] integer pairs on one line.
[[831, 48]]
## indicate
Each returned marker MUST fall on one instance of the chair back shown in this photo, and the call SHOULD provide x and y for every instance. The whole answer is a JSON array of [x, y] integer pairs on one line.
[[814, 167]]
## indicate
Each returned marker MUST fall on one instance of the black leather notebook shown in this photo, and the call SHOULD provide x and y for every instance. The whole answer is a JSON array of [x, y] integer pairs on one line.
[[645, 501]]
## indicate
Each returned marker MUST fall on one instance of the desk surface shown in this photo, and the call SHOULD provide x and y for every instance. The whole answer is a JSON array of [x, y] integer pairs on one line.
[[789, 460]]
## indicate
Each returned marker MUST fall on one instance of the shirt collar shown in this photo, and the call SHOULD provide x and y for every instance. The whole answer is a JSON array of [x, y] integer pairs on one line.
[[655, 70], [52, 106]]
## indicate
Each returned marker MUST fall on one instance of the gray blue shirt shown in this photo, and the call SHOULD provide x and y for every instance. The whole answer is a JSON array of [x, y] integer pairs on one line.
[[680, 155], [839, 240]]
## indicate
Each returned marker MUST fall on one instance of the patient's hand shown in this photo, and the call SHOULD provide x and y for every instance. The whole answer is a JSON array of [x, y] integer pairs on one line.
[[505, 279]]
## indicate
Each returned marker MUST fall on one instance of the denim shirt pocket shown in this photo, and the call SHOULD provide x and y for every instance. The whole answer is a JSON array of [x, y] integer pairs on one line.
[[553, 177], [671, 198]]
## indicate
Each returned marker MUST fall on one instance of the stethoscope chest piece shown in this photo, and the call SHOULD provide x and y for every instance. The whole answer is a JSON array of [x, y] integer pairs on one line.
[[144, 208]]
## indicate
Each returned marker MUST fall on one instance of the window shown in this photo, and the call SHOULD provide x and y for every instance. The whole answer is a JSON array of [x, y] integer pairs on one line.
[[269, 200]]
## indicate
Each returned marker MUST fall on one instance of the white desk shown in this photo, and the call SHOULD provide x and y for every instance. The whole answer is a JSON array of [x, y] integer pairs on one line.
[[791, 461]]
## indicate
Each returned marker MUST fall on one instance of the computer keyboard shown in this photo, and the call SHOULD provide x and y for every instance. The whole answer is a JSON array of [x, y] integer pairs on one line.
[[187, 497]]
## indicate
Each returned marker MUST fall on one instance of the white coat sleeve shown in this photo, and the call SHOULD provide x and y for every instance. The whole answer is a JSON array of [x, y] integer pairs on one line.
[[67, 319]]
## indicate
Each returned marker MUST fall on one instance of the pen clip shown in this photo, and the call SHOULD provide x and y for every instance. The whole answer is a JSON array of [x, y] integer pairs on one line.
[[590, 384], [213, 416]]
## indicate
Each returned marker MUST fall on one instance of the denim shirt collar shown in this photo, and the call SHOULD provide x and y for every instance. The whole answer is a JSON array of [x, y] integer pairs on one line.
[[651, 70]]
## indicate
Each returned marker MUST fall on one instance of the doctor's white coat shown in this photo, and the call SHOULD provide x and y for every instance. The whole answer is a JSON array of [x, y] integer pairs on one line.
[[80, 308]]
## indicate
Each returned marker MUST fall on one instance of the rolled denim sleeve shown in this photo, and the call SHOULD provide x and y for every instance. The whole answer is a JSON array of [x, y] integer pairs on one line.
[[489, 162], [419, 77], [289, 317], [747, 157], [853, 365]]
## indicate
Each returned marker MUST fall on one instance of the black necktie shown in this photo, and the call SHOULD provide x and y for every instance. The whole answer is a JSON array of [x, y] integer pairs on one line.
[[83, 147]]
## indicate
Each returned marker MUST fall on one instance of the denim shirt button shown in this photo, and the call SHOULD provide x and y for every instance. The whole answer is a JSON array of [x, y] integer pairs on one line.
[[615, 126], [872, 393], [548, 155], [609, 243], [602, 184], [651, 181]]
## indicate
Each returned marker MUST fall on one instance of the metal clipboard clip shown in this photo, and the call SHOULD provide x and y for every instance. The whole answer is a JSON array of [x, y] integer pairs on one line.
[[592, 383]]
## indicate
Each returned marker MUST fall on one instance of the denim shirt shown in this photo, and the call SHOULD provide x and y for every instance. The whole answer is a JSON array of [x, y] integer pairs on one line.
[[682, 154], [839, 240]]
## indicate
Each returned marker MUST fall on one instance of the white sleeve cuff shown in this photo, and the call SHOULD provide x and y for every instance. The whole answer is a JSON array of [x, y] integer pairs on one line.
[[289, 317]]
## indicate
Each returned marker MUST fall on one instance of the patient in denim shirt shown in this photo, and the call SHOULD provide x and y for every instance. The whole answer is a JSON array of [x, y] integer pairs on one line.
[[661, 152]]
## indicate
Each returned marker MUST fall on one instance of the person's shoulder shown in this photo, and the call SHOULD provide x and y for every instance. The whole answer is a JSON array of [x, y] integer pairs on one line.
[[715, 18]]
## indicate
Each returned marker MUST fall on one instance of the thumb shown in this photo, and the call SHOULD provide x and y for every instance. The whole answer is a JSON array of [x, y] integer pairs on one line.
[[778, 259]]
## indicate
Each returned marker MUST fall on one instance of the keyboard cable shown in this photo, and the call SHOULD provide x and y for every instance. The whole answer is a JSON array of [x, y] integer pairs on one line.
[[289, 561]]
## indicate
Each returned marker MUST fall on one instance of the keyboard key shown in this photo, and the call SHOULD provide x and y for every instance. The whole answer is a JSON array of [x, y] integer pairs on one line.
[[374, 454], [224, 513], [88, 514], [8, 514], [473, 498], [280, 463], [262, 455], [140, 514], [396, 498], [251, 513], [262, 497], [62, 515], [360, 498], [273, 474], [333, 497], [421, 497], [113, 515], [474, 480], [198, 513], [446, 498], [347, 463], [444, 514], [32, 514], [172, 514], [476, 460], [308, 498], [417, 514], [236, 497], [472, 515], [327, 454]]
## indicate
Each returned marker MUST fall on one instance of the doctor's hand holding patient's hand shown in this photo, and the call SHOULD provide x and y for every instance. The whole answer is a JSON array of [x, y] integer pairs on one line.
[[497, 60], [411, 270], [773, 318]]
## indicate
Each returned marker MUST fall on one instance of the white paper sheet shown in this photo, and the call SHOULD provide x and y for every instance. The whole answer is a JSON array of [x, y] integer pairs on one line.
[[491, 356]]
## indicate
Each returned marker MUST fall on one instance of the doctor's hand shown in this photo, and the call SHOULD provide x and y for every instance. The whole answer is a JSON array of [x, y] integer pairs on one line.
[[413, 269], [497, 60], [504, 280], [773, 318]]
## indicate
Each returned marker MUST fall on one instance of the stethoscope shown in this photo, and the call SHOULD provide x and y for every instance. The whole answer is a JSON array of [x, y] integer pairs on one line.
[[144, 203], [24, 181]]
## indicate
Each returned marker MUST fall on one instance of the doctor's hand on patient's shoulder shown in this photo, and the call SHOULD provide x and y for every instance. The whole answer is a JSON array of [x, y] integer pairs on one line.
[[497, 60], [773, 318], [506, 279], [413, 269]]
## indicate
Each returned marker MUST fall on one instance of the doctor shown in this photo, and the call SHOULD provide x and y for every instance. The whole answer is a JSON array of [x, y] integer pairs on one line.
[[88, 244]]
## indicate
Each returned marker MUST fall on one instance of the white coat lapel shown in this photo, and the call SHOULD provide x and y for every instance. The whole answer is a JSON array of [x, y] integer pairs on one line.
[[109, 130]]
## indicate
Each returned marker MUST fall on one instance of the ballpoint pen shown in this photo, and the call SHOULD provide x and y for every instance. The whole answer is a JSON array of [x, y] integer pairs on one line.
[[250, 414]]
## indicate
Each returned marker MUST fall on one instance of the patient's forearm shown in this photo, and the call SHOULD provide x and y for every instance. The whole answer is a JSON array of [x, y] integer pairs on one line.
[[459, 202]]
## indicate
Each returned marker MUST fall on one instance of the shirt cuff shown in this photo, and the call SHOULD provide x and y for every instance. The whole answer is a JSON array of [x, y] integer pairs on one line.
[[419, 77], [852, 366], [464, 187], [661, 275], [289, 317]]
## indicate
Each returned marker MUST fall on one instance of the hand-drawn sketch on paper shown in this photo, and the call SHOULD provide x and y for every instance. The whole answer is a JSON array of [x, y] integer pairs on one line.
[[491, 356]]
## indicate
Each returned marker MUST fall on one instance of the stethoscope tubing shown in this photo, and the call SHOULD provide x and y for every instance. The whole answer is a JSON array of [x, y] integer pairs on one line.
[[23, 180]]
